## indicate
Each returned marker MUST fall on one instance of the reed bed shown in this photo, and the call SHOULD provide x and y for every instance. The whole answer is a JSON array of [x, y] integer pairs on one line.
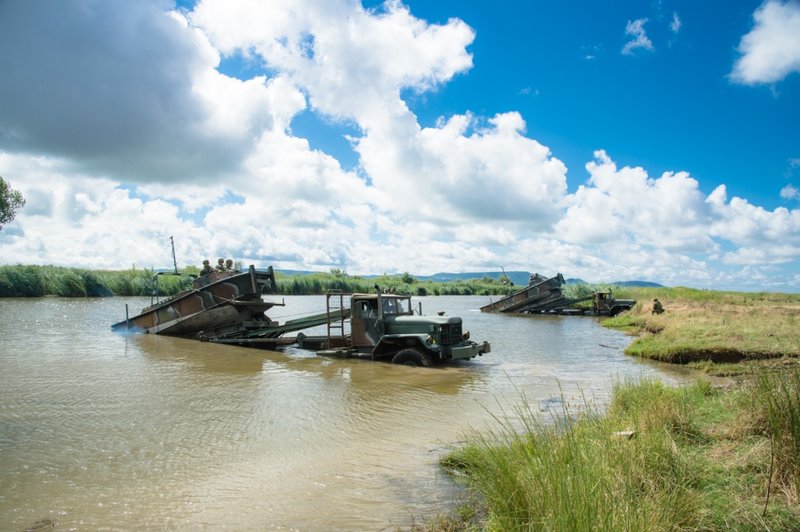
[[39, 281]]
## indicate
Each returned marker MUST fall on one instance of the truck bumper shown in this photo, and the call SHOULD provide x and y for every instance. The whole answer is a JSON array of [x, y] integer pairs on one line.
[[469, 350]]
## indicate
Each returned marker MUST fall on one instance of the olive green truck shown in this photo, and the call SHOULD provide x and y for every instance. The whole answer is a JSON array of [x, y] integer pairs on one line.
[[386, 327]]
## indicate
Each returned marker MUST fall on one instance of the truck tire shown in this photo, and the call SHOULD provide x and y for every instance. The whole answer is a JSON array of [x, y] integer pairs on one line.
[[412, 357]]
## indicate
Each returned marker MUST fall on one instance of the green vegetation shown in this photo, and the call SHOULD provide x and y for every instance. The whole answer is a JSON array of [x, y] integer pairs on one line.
[[320, 283], [692, 458], [10, 201], [38, 281], [702, 325]]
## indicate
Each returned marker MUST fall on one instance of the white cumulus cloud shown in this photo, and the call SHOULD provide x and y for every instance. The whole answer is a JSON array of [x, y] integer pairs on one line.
[[745, 224], [771, 50], [352, 62], [464, 169], [667, 213]]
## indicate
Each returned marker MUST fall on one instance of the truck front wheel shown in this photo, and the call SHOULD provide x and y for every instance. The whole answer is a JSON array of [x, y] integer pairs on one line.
[[412, 357]]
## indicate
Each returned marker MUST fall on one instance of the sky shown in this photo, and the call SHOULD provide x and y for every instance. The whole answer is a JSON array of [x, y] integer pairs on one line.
[[629, 140]]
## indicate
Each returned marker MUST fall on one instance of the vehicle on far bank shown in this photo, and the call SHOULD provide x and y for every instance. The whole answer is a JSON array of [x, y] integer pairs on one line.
[[605, 304]]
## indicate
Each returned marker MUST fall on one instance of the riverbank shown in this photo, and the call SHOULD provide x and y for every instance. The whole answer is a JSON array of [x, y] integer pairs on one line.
[[700, 326], [700, 457]]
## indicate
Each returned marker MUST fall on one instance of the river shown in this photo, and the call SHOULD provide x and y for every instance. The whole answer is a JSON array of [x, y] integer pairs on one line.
[[100, 430]]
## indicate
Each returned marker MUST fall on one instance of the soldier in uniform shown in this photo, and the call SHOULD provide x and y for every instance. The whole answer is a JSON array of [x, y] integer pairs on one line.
[[221, 265], [206, 268], [658, 308], [229, 265]]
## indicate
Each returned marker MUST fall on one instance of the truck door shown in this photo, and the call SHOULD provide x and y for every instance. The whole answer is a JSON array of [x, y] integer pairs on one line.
[[366, 326]]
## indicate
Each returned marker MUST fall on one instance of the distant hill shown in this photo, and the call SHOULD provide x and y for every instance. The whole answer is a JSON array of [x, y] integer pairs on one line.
[[522, 278], [519, 278], [639, 284], [292, 273]]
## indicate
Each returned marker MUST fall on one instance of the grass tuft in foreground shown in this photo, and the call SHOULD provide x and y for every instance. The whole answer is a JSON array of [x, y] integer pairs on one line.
[[660, 458], [778, 399]]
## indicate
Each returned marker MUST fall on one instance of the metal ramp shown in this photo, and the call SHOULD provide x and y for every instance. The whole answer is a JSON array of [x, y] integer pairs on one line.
[[275, 330], [542, 295]]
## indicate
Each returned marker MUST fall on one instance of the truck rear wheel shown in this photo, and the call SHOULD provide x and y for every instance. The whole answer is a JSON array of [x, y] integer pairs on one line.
[[412, 357]]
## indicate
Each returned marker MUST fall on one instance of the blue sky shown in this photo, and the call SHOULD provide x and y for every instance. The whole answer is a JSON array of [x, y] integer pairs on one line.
[[632, 140], [672, 107]]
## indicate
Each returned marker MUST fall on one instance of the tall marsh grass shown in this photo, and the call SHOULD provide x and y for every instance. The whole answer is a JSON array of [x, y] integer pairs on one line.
[[578, 472], [38, 281], [659, 458], [778, 397]]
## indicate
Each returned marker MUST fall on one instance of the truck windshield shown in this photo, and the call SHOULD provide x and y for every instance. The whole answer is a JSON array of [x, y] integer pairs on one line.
[[396, 306]]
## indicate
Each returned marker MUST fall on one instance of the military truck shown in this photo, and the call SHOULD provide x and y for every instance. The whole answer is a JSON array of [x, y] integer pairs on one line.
[[386, 327], [605, 304]]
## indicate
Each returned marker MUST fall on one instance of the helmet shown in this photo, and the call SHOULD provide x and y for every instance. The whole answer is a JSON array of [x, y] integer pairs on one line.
[[205, 261]]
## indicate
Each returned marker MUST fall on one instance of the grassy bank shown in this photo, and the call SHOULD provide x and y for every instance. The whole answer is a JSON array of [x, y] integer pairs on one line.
[[38, 281], [693, 458], [698, 457], [702, 325]]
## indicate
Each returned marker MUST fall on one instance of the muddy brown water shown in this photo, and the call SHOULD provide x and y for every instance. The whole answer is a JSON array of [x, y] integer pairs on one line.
[[107, 431]]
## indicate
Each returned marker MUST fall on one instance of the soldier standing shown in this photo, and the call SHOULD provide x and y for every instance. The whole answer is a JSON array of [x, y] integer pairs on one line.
[[206, 268], [221, 265]]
